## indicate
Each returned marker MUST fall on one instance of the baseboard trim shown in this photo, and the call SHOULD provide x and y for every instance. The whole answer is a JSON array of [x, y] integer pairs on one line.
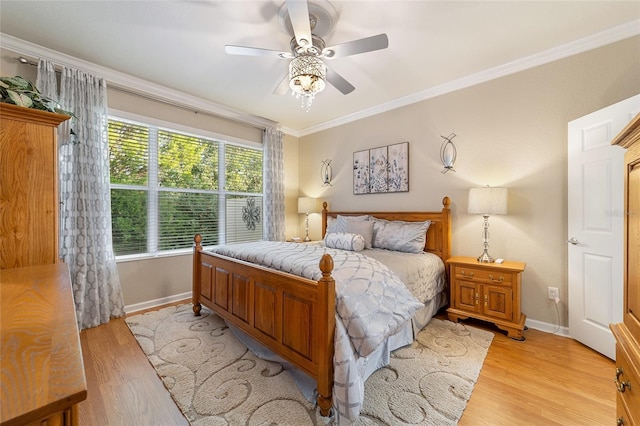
[[136, 307], [548, 328], [535, 324]]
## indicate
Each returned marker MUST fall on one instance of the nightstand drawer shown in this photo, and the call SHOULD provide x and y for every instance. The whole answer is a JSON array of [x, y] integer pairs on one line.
[[482, 275]]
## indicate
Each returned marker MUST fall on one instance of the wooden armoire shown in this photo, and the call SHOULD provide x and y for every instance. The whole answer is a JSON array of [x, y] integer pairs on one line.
[[627, 333], [37, 309], [28, 186]]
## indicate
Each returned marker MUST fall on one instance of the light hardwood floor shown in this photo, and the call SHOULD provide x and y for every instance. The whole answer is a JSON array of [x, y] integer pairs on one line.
[[545, 380]]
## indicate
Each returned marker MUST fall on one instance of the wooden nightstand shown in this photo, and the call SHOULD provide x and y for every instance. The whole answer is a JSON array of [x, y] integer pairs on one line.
[[487, 291]]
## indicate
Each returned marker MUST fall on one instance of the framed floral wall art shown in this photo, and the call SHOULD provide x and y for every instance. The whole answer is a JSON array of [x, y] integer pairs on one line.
[[361, 172], [398, 171], [380, 170]]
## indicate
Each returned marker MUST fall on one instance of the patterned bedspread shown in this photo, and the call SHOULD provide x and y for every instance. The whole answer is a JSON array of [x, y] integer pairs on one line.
[[372, 303], [422, 273]]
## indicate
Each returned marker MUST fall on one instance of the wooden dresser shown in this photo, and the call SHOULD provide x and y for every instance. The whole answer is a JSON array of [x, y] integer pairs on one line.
[[627, 333], [28, 186], [43, 376]]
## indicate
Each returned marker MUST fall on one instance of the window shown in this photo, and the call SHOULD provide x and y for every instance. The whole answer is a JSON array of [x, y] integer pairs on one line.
[[168, 185]]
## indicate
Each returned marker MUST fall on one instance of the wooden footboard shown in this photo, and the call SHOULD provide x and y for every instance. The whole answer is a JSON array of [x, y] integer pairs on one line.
[[292, 316]]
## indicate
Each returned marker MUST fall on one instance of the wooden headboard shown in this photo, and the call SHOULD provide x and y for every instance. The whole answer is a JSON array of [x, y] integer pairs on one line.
[[438, 234]]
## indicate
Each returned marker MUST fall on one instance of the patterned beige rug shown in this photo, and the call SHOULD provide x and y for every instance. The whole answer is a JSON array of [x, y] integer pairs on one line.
[[215, 380]]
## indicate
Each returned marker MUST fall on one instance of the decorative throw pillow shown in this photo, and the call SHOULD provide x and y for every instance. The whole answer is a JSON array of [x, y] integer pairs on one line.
[[331, 225], [342, 241], [409, 237], [339, 224], [364, 228]]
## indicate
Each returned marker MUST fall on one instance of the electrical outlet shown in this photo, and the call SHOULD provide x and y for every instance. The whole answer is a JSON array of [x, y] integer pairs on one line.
[[553, 293]]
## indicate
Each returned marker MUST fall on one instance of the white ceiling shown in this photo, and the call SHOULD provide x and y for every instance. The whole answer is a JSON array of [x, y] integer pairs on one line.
[[434, 46]]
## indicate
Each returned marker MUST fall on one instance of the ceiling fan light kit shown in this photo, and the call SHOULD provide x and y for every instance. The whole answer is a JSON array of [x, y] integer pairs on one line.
[[308, 73]]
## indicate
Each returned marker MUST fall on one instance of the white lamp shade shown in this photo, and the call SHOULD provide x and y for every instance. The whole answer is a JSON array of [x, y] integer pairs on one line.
[[308, 205], [488, 201]]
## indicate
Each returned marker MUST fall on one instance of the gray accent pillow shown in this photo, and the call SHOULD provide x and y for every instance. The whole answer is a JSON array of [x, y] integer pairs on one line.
[[339, 224], [408, 237], [361, 227], [342, 241]]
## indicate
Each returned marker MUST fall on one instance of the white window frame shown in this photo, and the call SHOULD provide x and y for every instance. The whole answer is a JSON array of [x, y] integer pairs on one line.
[[152, 184]]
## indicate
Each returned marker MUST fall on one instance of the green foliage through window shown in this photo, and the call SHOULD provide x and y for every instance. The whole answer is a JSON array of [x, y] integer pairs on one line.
[[165, 187]]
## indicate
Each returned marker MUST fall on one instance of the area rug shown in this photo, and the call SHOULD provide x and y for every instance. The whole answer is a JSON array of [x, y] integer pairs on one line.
[[215, 380]]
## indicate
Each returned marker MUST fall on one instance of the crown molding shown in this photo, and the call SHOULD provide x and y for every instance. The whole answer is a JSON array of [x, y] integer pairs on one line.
[[132, 84], [603, 38]]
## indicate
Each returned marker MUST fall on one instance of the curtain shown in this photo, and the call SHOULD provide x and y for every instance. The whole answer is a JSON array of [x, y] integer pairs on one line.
[[85, 212], [274, 214]]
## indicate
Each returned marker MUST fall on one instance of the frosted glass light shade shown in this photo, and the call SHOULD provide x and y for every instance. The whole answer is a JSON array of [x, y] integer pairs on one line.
[[308, 205], [487, 201]]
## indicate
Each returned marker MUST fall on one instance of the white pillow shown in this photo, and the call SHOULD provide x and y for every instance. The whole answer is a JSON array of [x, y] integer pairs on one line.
[[342, 241], [340, 223], [409, 237], [364, 228]]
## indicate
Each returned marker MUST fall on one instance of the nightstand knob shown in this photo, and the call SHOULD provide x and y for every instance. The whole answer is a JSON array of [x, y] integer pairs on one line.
[[620, 421], [499, 280], [464, 274]]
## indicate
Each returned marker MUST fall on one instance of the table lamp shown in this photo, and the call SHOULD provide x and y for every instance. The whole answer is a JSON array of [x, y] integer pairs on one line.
[[487, 201], [307, 205]]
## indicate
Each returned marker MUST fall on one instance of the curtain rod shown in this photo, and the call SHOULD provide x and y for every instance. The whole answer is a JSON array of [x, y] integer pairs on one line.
[[186, 107]]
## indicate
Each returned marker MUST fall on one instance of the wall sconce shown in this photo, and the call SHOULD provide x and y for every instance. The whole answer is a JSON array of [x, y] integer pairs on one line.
[[487, 201], [326, 173], [448, 153]]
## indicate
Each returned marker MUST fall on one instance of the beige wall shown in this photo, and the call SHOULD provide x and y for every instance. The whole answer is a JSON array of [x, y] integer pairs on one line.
[[512, 132], [9, 67]]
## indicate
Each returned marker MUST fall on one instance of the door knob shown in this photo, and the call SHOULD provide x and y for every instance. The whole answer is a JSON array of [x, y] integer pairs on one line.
[[573, 241]]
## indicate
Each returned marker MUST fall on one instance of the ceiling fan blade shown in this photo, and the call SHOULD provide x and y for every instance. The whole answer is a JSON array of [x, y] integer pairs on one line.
[[299, 17], [283, 86], [256, 51], [368, 44], [339, 82]]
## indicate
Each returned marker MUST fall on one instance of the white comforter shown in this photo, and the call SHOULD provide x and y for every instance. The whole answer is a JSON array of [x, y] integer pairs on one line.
[[372, 303]]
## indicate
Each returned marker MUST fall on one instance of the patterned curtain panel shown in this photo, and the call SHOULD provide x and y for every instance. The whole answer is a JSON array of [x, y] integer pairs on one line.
[[274, 185], [85, 213]]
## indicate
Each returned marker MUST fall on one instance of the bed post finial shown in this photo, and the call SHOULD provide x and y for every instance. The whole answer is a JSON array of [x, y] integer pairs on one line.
[[326, 265], [446, 230], [325, 210], [195, 296]]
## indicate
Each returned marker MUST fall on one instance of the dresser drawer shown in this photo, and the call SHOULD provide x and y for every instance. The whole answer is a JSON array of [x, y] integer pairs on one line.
[[483, 275], [627, 380], [623, 418]]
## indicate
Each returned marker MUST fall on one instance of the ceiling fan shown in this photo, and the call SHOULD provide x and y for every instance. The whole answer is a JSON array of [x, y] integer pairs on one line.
[[308, 21]]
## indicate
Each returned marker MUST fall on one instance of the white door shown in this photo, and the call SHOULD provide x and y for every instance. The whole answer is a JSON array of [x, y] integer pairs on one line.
[[595, 224]]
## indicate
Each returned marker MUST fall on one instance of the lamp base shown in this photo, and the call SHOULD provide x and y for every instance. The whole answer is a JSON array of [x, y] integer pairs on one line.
[[485, 257], [306, 230]]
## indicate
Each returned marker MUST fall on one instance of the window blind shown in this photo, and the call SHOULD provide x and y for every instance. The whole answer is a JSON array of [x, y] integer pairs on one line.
[[168, 185]]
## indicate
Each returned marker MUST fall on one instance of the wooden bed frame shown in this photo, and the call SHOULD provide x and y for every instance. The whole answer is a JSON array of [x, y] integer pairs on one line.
[[293, 316]]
